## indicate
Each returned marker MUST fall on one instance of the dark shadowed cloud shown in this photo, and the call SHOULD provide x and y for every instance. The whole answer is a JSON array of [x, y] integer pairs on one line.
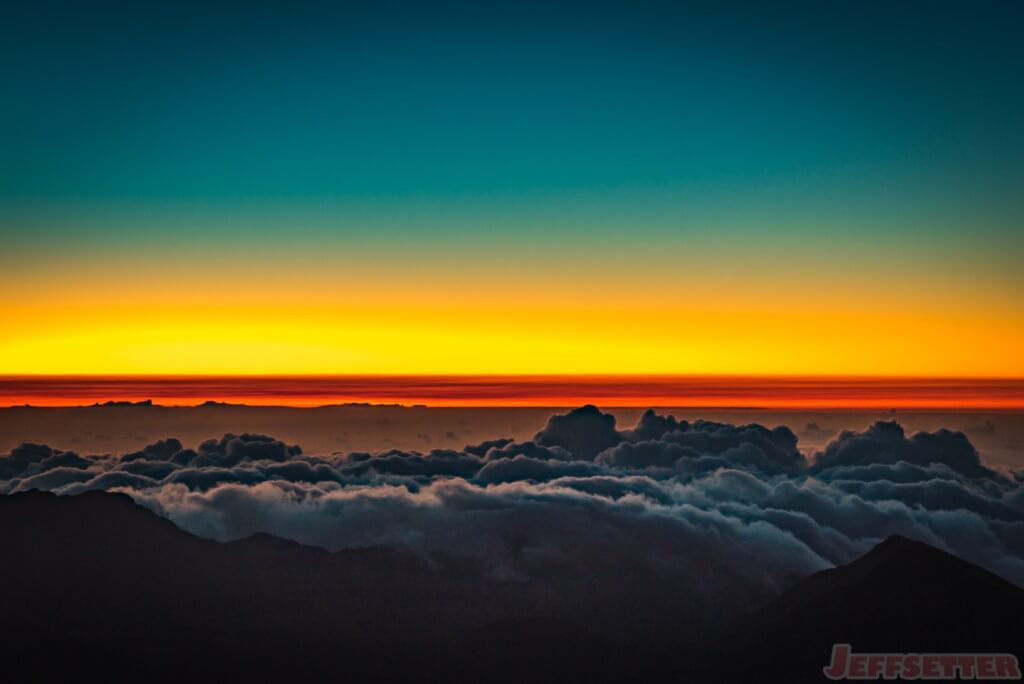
[[674, 496]]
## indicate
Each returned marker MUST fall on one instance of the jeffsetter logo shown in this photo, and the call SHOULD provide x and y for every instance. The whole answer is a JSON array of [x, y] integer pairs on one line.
[[849, 665]]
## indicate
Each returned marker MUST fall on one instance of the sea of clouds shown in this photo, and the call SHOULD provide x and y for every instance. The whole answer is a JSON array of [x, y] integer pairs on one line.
[[700, 500]]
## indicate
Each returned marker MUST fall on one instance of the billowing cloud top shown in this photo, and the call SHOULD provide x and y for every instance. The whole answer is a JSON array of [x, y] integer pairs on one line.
[[708, 506]]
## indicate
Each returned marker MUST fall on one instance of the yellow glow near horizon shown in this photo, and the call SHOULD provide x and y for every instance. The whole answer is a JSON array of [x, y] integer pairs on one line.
[[488, 329], [700, 310]]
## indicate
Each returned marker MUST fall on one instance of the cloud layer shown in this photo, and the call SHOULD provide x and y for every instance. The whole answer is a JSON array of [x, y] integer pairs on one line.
[[711, 506]]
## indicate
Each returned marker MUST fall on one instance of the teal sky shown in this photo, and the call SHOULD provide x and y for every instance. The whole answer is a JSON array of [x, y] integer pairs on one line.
[[225, 103], [701, 122]]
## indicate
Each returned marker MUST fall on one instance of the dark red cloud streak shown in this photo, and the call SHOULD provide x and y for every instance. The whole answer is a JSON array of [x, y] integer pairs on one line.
[[555, 391]]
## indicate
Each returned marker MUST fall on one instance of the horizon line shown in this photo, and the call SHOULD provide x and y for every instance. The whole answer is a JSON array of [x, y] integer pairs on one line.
[[624, 375], [540, 391]]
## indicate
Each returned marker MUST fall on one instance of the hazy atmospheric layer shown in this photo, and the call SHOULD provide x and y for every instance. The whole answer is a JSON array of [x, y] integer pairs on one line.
[[710, 505]]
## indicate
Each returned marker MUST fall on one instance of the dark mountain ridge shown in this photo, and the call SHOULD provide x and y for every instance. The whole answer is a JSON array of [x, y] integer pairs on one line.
[[903, 596], [95, 584]]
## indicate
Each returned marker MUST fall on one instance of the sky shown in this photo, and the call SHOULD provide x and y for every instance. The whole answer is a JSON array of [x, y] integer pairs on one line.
[[439, 188]]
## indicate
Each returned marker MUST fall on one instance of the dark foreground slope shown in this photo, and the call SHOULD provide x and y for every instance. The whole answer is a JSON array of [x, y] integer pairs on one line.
[[94, 584], [902, 596]]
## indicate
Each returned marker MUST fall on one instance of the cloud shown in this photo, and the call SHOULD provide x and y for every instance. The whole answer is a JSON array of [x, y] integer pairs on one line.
[[652, 426], [437, 462], [160, 451], [29, 458], [64, 459], [708, 507], [703, 446], [50, 480], [528, 449], [524, 468], [814, 431], [885, 442], [23, 457], [584, 432], [233, 449]]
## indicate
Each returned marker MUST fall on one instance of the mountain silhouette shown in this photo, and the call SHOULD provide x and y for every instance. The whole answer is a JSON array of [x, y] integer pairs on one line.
[[96, 585], [903, 596]]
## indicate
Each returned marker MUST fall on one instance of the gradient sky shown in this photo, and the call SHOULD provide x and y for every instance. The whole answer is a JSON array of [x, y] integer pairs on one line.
[[806, 188]]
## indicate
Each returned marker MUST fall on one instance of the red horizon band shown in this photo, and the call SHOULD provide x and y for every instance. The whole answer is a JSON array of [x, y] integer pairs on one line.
[[734, 392]]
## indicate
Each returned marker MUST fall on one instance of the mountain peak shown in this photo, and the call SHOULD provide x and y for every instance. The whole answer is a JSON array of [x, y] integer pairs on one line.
[[898, 545], [901, 596]]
